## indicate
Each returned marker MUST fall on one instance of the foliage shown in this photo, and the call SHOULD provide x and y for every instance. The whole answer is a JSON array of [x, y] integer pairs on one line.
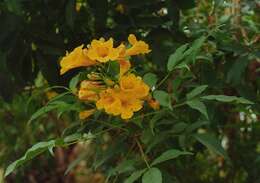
[[203, 69]]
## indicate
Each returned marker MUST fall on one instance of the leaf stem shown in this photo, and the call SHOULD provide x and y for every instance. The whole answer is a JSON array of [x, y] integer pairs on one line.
[[142, 153]]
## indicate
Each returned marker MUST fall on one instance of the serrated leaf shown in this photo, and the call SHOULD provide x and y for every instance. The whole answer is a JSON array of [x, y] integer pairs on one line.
[[196, 91], [30, 154], [176, 57], [150, 79], [198, 105], [212, 143], [225, 98], [168, 155], [135, 176], [153, 175]]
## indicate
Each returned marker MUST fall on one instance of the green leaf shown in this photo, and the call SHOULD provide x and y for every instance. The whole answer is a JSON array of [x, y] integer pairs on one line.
[[225, 98], [41, 147], [74, 82], [195, 126], [150, 79], [176, 57], [30, 154], [168, 155], [163, 98], [125, 166], [113, 68], [153, 175], [135, 176], [196, 91], [51, 106], [198, 105], [195, 48], [211, 143], [235, 73]]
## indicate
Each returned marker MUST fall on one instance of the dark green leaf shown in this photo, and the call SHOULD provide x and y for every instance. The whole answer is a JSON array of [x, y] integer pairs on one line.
[[212, 143], [135, 176], [168, 155], [196, 91], [198, 105], [176, 57]]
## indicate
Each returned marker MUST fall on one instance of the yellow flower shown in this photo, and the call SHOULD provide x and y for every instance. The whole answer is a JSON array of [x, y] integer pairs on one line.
[[117, 102], [134, 85], [103, 51], [51, 94], [138, 47], [125, 65], [77, 58], [89, 90], [109, 102], [85, 114], [154, 104], [129, 105]]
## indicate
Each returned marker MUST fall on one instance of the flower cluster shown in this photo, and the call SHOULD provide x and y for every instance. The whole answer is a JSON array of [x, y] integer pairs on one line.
[[119, 97]]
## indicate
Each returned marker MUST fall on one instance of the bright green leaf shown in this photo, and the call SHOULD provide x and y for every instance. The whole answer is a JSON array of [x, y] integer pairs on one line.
[[153, 175], [163, 98], [150, 79]]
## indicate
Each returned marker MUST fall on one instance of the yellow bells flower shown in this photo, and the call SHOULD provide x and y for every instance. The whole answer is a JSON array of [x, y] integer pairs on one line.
[[87, 95], [102, 51], [85, 114], [138, 47], [122, 51], [134, 85], [109, 102], [89, 90], [125, 65], [129, 105], [76, 58], [154, 104]]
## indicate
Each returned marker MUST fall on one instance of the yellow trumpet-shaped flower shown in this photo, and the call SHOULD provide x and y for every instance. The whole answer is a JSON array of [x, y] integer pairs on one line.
[[85, 114], [116, 102], [89, 90], [129, 105], [103, 51], [138, 47], [134, 85], [125, 65], [109, 102], [76, 58]]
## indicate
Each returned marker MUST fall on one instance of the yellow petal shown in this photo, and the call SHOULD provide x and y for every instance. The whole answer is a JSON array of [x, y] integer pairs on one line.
[[132, 39], [76, 58], [85, 114]]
